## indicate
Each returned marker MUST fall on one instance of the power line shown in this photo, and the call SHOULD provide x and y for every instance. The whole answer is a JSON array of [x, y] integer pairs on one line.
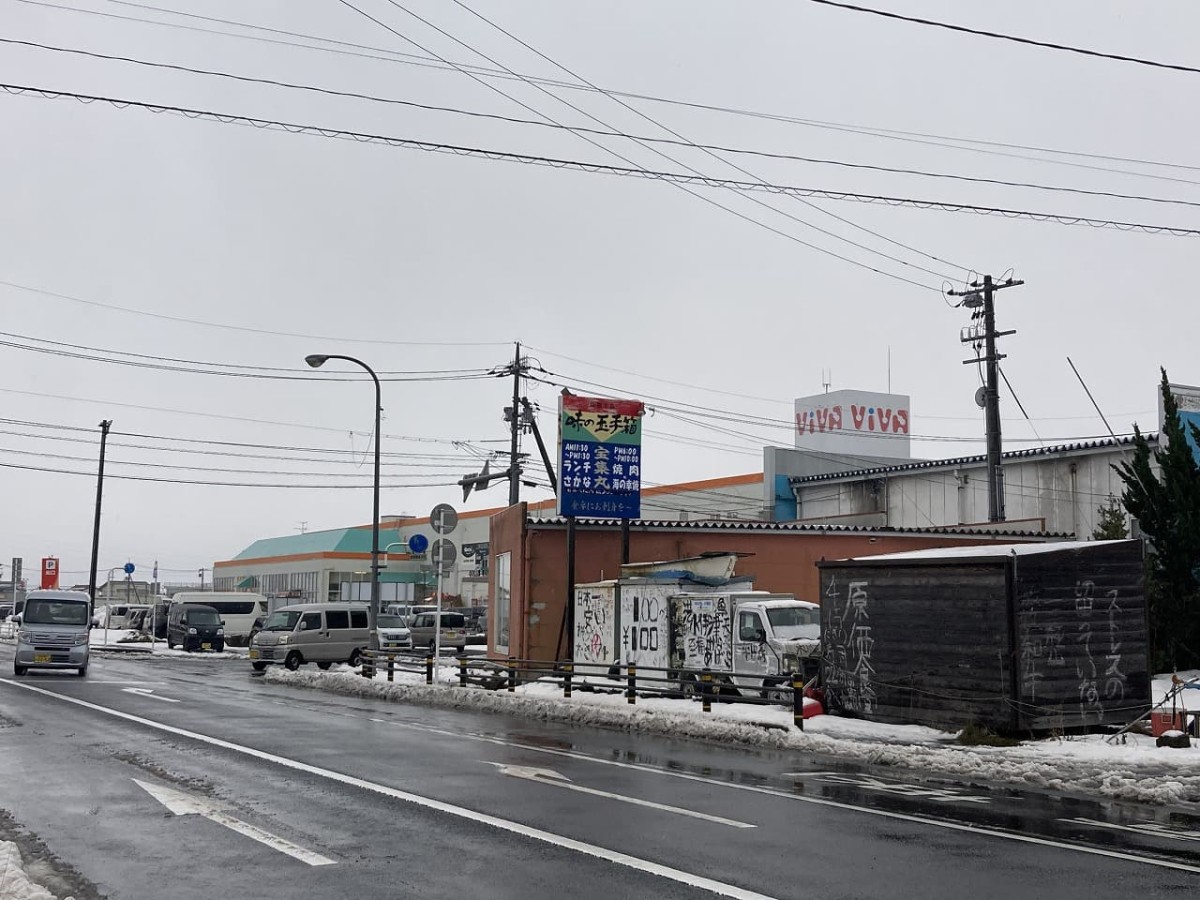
[[711, 149], [951, 142], [681, 185], [708, 150], [601, 168], [1048, 45]]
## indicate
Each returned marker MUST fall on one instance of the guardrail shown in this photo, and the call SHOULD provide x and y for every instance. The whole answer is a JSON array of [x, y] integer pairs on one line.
[[707, 686]]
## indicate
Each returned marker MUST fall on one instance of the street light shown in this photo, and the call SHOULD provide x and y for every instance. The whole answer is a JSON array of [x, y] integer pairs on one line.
[[316, 360]]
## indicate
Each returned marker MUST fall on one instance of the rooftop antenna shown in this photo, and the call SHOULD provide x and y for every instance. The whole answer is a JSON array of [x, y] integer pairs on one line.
[[889, 368], [1095, 404], [827, 379], [302, 527]]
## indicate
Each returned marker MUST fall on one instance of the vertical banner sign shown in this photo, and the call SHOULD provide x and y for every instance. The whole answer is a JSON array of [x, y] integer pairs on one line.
[[600, 457], [49, 573], [16, 574]]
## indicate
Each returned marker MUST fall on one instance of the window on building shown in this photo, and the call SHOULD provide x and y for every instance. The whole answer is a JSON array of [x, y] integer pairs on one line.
[[503, 592]]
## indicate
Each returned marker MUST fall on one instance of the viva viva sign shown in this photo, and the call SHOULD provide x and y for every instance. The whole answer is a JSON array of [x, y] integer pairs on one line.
[[854, 422], [600, 457]]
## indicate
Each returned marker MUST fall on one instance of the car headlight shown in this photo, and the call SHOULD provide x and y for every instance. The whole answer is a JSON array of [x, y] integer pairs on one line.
[[791, 662], [284, 639], [220, 632], [191, 631], [80, 639], [25, 636]]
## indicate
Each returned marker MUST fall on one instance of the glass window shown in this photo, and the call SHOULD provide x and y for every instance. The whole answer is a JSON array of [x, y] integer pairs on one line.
[[503, 592], [203, 617], [282, 621], [453, 620], [358, 618], [337, 618], [383, 621], [796, 622], [233, 607], [311, 622], [56, 612], [749, 625]]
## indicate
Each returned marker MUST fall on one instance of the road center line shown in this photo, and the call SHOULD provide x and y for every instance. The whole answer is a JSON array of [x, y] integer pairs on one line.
[[622, 859]]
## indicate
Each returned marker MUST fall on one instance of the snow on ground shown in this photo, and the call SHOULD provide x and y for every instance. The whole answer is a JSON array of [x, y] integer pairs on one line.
[[1129, 769], [128, 641], [14, 883]]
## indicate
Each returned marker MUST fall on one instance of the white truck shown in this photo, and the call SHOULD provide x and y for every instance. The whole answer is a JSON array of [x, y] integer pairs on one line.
[[751, 640]]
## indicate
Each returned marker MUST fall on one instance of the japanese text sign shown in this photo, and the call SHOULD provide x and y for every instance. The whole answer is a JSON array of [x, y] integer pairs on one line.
[[600, 457]]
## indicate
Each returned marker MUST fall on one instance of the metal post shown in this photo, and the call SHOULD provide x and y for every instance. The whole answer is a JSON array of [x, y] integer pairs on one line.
[[104, 426], [631, 685], [514, 471], [437, 622], [568, 668], [512, 674], [706, 690], [570, 616], [391, 667], [624, 541], [798, 700], [462, 670], [429, 670]]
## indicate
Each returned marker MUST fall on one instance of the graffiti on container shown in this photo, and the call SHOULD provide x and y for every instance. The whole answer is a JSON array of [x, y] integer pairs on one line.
[[852, 670], [1114, 684], [1041, 647], [642, 634], [1085, 668], [706, 628], [752, 651], [592, 614]]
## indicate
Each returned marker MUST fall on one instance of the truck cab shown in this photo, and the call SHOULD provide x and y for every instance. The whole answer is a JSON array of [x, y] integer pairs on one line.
[[774, 637]]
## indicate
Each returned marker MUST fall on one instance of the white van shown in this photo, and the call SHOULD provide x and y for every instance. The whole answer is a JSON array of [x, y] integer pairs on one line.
[[53, 631], [323, 633]]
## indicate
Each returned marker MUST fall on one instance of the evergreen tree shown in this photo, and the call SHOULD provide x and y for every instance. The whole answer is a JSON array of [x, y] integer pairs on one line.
[[1167, 507], [1110, 522]]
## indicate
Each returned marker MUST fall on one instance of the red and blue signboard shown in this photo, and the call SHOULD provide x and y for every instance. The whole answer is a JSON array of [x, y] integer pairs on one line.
[[600, 457]]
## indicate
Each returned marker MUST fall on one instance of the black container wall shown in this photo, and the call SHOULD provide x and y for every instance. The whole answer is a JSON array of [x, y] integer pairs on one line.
[[1043, 640]]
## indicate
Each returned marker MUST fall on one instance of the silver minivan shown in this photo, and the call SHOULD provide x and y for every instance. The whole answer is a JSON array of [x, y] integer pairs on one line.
[[323, 633], [53, 631]]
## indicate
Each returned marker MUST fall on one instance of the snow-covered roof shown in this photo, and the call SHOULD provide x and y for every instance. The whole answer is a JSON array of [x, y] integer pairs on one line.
[[986, 551], [977, 460]]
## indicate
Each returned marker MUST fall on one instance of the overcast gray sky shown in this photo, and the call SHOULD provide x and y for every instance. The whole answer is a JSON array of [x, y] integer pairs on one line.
[[231, 247]]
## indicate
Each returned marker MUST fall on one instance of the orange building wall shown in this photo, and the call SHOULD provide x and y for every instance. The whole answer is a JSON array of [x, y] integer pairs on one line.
[[782, 561]]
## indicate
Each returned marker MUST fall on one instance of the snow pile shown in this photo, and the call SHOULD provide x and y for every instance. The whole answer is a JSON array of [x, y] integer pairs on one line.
[[1132, 769], [14, 883]]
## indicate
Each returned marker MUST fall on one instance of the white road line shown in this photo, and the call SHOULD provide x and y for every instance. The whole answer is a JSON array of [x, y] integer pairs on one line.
[[622, 859], [816, 801], [1147, 829], [184, 804], [148, 692], [557, 779]]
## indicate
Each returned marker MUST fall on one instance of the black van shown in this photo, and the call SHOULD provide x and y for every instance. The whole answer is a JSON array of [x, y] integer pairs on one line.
[[194, 626]]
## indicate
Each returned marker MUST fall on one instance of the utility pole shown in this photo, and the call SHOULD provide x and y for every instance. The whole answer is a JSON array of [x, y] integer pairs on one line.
[[981, 299], [514, 421], [104, 426]]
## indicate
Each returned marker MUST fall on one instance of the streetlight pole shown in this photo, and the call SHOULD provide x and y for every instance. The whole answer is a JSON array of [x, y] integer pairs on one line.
[[317, 360]]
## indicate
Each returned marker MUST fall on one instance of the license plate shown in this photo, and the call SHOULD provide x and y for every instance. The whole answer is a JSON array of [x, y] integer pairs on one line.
[[41, 657], [253, 653], [206, 646]]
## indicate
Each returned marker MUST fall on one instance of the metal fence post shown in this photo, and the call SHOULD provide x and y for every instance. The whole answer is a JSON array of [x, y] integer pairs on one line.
[[631, 685], [429, 670], [462, 671], [391, 666], [368, 665], [567, 670], [706, 684], [798, 700], [512, 674]]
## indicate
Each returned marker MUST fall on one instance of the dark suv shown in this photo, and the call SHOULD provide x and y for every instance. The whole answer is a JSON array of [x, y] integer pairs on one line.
[[195, 627]]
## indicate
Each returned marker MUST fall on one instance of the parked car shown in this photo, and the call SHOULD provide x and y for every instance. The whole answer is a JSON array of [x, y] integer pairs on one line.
[[194, 626], [323, 633], [454, 630], [394, 633]]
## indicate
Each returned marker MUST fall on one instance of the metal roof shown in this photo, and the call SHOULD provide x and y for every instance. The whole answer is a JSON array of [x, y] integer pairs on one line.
[[803, 527], [337, 540], [979, 459]]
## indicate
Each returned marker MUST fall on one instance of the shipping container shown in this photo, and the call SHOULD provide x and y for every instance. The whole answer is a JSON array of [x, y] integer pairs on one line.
[[1019, 637]]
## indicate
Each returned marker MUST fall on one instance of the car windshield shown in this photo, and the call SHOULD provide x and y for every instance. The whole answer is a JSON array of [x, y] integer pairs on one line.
[[282, 621], [390, 622], [203, 617], [796, 622], [56, 612]]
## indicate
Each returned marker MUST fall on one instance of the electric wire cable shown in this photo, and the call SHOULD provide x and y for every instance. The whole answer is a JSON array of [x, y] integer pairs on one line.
[[707, 150], [952, 142], [712, 149], [996, 35], [681, 185], [605, 169]]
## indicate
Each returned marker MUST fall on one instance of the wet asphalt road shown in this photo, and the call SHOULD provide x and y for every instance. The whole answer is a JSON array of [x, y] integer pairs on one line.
[[405, 801]]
